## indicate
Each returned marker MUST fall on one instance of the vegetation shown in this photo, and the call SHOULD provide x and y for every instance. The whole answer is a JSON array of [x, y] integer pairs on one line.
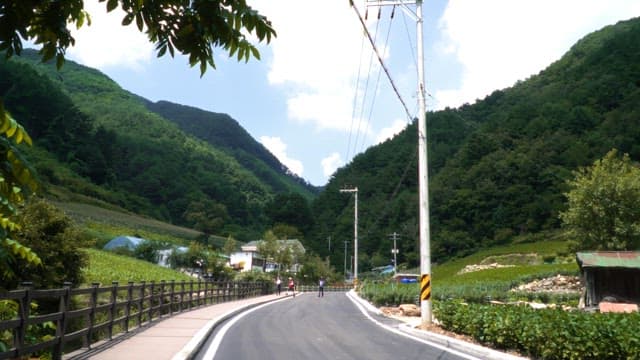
[[604, 205], [193, 28], [105, 267], [499, 167], [57, 241], [16, 182], [545, 334]]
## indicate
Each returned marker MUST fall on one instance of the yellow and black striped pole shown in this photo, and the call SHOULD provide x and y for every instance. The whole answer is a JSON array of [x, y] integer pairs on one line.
[[425, 287]]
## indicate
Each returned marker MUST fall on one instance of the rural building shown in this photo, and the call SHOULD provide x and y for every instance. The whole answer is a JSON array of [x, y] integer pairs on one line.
[[612, 276], [248, 258]]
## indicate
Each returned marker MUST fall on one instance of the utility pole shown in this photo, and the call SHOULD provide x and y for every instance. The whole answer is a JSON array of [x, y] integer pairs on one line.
[[394, 251], [355, 235], [423, 176], [345, 258]]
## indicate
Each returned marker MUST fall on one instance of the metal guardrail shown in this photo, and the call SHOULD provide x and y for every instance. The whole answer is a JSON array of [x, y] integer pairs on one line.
[[85, 316]]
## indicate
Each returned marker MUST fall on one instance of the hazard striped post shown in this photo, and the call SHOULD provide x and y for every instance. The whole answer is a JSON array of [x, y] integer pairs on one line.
[[425, 287]]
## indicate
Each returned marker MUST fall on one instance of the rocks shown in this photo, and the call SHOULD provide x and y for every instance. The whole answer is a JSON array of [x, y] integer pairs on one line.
[[478, 267], [405, 310], [556, 284], [409, 310]]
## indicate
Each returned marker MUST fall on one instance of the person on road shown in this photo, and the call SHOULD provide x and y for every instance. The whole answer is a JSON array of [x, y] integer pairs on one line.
[[278, 285], [291, 287], [321, 287]]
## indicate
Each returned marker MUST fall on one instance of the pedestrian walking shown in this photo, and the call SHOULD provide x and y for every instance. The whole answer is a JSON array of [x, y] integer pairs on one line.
[[321, 287], [278, 285], [291, 286]]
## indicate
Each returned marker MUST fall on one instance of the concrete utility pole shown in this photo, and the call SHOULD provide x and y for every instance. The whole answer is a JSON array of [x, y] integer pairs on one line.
[[345, 258], [423, 176], [394, 251], [355, 235]]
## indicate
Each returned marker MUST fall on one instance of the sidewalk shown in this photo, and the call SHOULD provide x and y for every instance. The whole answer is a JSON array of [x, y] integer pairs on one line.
[[173, 338]]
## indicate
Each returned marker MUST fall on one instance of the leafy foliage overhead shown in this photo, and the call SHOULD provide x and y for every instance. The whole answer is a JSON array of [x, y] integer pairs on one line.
[[191, 27]]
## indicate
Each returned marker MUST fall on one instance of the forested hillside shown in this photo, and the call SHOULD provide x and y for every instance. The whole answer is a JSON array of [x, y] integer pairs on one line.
[[498, 167], [94, 139], [223, 132]]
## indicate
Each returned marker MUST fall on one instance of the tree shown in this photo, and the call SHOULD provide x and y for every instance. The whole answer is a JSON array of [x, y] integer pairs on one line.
[[191, 27], [58, 242], [229, 246], [16, 182], [604, 205], [206, 216]]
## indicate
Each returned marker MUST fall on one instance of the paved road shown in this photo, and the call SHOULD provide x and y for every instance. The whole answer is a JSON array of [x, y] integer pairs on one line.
[[309, 327]]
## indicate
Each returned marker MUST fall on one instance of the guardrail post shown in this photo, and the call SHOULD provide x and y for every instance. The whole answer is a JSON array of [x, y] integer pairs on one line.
[[61, 326], [127, 309], [25, 308], [151, 299], [171, 296], [141, 303], [181, 295], [112, 307], [161, 303], [190, 294], [91, 316]]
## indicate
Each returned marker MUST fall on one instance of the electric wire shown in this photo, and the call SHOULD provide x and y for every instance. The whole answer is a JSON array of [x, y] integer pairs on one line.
[[366, 91], [355, 97], [382, 64], [375, 92]]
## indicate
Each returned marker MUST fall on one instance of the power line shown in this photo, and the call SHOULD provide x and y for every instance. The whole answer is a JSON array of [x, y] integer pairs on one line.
[[384, 67]]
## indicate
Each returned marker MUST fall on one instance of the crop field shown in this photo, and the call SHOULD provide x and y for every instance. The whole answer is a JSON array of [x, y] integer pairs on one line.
[[105, 267]]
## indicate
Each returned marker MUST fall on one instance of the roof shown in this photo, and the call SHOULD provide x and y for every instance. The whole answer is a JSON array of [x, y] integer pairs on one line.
[[614, 259], [130, 242], [252, 246]]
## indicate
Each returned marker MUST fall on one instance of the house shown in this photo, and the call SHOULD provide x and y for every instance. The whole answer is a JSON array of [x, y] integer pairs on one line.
[[248, 258], [610, 276]]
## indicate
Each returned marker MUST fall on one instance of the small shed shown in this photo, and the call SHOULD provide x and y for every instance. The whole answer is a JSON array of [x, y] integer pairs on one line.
[[610, 275]]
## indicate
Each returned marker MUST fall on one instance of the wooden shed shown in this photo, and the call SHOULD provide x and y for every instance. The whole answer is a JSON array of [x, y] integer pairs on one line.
[[610, 275]]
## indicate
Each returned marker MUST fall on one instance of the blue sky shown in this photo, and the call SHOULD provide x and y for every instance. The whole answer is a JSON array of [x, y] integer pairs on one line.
[[317, 98]]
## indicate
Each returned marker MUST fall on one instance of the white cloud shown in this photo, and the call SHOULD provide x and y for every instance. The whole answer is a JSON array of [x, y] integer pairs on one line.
[[315, 58], [331, 163], [279, 149], [107, 43], [389, 132], [498, 42]]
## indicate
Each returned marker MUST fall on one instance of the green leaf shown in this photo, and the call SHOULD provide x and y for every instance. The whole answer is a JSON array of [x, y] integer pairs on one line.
[[111, 4]]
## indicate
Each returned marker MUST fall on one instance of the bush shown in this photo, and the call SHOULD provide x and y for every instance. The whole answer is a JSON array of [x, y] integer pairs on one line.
[[56, 240]]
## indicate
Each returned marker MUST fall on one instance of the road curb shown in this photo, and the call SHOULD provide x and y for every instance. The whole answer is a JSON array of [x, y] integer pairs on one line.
[[442, 340]]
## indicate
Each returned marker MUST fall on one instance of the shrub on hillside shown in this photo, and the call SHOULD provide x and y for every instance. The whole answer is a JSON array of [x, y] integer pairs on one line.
[[56, 240]]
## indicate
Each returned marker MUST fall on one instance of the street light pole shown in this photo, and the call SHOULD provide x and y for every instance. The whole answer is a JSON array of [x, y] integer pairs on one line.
[[395, 252], [355, 235]]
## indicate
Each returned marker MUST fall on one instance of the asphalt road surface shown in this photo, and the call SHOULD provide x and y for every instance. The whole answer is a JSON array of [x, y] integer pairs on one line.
[[312, 327]]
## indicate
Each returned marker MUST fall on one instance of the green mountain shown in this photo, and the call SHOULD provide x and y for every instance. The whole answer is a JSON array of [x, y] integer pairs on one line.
[[498, 167], [94, 139], [223, 132]]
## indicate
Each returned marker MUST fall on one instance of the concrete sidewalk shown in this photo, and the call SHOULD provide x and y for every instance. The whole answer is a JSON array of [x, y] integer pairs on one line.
[[174, 338]]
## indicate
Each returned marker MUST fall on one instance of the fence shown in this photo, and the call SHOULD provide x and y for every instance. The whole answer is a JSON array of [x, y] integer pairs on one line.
[[69, 319], [314, 288]]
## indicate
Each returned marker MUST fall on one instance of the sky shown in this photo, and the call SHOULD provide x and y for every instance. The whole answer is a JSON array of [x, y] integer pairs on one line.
[[319, 96]]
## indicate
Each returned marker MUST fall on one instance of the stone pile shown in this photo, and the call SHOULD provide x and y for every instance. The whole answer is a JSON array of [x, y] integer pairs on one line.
[[555, 284], [478, 267]]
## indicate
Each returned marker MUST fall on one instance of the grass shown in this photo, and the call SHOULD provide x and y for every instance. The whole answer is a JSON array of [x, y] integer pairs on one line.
[[105, 267]]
